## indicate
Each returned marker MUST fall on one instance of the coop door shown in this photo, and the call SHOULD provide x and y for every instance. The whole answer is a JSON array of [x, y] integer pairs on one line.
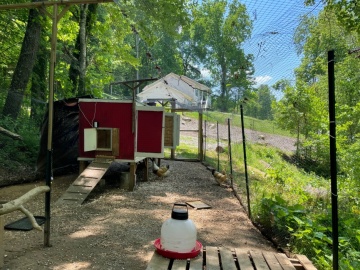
[[150, 132], [172, 130], [101, 139]]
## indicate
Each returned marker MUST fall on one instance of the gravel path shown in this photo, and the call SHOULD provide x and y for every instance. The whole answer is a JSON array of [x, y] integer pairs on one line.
[[116, 229]]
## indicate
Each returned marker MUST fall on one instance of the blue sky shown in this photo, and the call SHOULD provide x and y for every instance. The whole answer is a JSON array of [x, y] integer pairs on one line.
[[274, 24]]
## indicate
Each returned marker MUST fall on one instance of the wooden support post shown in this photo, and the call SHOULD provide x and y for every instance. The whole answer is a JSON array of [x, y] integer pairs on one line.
[[82, 166], [132, 180], [146, 170], [2, 246]]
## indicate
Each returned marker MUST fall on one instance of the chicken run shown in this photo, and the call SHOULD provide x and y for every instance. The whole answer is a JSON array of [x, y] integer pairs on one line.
[[116, 229]]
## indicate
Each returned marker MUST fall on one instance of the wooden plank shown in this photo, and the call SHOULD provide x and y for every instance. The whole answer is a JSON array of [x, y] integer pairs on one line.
[[158, 262], [198, 205], [296, 264], [258, 260], [104, 158], [79, 189], [98, 165], [243, 259], [212, 258], [197, 263], [272, 261], [84, 184], [179, 265], [305, 262], [227, 259], [86, 181], [93, 172], [284, 261]]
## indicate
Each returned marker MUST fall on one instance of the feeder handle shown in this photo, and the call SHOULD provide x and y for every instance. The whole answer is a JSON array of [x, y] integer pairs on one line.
[[181, 204]]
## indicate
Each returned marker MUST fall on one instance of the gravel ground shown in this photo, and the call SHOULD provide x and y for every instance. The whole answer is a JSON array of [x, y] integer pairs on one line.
[[116, 229]]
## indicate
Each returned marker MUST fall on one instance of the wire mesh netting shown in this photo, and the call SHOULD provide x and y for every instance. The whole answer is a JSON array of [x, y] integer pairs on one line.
[[268, 64], [272, 41], [282, 191]]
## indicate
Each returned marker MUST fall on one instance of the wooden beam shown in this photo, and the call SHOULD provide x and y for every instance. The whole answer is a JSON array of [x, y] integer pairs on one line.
[[132, 176], [140, 81], [51, 3]]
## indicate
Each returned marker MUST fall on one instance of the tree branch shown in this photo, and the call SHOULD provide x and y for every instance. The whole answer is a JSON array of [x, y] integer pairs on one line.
[[17, 204], [10, 134]]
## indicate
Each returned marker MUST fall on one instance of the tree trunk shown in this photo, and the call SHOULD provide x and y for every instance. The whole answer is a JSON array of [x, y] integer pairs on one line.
[[82, 53], [24, 65], [77, 71], [223, 93], [39, 83]]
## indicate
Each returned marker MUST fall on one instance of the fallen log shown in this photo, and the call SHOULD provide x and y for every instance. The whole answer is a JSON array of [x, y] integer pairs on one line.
[[10, 134], [17, 204]]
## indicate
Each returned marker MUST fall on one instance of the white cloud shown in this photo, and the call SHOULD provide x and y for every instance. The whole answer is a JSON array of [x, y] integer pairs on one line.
[[205, 73], [259, 80]]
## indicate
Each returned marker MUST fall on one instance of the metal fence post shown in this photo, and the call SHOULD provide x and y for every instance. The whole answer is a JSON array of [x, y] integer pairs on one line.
[[218, 148], [333, 163], [229, 146], [245, 161]]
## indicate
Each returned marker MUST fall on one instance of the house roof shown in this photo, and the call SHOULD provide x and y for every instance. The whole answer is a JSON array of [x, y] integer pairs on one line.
[[162, 91], [172, 87]]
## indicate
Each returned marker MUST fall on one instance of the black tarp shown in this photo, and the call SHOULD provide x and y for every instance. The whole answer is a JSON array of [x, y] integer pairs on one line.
[[64, 140]]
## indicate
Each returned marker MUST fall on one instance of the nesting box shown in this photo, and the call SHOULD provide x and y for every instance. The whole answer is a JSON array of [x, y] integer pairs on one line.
[[172, 130]]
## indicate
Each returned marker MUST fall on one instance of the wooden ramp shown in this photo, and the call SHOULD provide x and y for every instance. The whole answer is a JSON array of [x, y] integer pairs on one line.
[[85, 183]]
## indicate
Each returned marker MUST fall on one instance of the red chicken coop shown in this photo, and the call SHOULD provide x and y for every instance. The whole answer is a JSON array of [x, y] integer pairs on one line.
[[120, 129], [114, 130]]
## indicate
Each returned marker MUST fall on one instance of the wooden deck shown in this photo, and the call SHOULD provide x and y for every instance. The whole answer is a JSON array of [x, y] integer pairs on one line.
[[213, 258]]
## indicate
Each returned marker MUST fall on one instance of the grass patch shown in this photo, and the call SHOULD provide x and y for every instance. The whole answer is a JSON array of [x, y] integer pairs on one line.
[[265, 126], [187, 149]]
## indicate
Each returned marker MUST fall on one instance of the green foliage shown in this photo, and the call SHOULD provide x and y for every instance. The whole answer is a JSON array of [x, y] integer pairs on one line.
[[289, 203], [259, 106], [266, 126], [275, 214], [309, 236], [167, 15], [221, 28], [346, 12], [15, 153]]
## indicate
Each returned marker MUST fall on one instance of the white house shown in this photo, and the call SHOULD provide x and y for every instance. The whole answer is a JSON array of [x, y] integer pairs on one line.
[[186, 93]]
